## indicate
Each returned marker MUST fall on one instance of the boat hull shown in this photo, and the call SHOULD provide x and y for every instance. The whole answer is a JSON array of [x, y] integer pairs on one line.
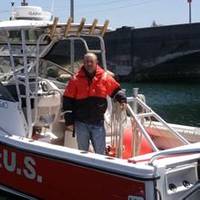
[[45, 177]]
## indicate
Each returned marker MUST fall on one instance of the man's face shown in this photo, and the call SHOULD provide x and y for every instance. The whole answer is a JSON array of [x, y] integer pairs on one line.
[[90, 64]]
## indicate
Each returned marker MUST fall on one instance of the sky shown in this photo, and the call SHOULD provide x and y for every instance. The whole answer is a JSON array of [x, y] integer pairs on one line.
[[137, 13]]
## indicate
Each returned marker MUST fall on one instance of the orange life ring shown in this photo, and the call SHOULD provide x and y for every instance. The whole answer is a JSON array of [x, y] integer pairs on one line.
[[127, 152]]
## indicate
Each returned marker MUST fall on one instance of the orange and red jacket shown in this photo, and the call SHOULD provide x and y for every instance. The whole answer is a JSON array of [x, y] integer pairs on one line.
[[85, 99]]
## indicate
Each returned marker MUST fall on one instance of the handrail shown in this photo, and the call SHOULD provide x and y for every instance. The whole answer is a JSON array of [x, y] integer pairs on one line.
[[150, 113], [144, 132], [171, 152], [59, 67], [102, 46], [173, 131], [27, 88]]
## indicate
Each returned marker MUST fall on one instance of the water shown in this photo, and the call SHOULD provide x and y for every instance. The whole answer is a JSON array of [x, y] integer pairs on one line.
[[175, 102]]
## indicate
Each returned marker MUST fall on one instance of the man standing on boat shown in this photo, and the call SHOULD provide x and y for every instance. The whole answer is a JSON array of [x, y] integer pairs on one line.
[[85, 102]]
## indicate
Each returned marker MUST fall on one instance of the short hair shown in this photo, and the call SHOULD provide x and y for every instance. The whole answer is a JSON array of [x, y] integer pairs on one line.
[[90, 55]]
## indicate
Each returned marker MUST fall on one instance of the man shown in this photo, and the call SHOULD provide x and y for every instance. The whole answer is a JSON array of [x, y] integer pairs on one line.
[[85, 102]]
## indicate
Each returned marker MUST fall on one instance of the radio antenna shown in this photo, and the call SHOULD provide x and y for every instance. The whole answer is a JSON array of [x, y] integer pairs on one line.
[[72, 10], [12, 10], [52, 6]]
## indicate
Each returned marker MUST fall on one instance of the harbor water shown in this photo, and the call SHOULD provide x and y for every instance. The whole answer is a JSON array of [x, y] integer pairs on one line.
[[175, 102]]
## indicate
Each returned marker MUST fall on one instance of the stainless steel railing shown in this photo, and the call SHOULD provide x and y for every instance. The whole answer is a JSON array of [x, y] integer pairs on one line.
[[134, 103]]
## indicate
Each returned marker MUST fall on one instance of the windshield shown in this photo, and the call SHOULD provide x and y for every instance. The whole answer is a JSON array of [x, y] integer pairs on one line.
[[56, 65], [47, 69], [30, 35], [6, 69]]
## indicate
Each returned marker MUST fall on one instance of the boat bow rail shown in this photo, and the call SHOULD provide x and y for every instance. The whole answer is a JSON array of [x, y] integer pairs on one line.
[[191, 149], [140, 114]]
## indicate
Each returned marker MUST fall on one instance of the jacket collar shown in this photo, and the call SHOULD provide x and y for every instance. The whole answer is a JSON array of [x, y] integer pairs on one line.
[[99, 72]]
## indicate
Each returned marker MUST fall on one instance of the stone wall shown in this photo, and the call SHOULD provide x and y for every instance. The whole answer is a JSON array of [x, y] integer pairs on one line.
[[154, 50]]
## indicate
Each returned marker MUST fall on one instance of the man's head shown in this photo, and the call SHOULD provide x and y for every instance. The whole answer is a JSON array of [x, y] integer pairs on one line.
[[90, 62]]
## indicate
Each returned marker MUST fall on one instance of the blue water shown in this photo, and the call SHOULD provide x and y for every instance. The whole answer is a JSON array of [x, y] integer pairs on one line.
[[175, 102]]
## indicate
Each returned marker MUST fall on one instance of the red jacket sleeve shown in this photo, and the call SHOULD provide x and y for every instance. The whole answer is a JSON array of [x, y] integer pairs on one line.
[[68, 102], [114, 90], [70, 90], [112, 85]]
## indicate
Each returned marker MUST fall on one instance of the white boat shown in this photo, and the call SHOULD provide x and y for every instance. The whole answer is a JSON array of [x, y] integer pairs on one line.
[[147, 158]]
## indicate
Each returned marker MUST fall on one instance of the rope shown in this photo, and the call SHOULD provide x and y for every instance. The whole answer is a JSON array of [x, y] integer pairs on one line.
[[118, 124]]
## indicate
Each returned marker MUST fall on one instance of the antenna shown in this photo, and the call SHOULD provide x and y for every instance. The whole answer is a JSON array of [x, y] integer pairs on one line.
[[190, 11], [52, 6], [24, 3], [12, 10], [72, 10]]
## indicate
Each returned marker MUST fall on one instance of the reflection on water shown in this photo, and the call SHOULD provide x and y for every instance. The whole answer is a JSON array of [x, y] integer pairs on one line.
[[175, 102]]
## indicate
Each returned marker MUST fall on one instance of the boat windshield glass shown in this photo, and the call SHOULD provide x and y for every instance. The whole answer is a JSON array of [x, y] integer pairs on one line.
[[56, 65], [31, 36], [47, 69], [6, 69]]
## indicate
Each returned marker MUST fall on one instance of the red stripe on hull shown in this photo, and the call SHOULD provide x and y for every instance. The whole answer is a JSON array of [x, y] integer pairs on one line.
[[53, 179]]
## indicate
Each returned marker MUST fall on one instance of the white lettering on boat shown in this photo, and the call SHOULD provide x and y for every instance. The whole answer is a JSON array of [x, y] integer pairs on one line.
[[35, 13], [8, 161], [29, 170]]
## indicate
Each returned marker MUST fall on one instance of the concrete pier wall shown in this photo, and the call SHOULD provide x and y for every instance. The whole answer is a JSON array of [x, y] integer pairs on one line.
[[166, 52]]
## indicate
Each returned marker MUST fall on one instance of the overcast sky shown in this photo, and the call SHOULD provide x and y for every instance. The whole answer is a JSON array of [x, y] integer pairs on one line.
[[138, 13]]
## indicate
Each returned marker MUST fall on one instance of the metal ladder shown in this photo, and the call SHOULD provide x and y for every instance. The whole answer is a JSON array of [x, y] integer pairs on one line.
[[26, 75]]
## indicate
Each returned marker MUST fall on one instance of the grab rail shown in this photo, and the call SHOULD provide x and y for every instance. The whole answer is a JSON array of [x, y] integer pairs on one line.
[[132, 107], [144, 132], [172, 152], [173, 131]]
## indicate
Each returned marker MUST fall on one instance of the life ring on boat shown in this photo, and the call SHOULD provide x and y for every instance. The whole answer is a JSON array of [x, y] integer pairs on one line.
[[145, 147], [127, 145]]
